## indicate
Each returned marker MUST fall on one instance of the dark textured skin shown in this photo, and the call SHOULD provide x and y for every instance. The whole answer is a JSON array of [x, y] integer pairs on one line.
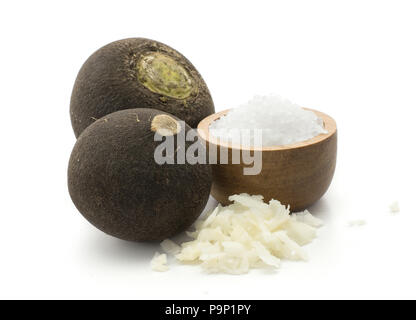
[[108, 82], [115, 183]]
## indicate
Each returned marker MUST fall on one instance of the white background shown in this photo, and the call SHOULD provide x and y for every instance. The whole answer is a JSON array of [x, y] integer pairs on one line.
[[355, 60]]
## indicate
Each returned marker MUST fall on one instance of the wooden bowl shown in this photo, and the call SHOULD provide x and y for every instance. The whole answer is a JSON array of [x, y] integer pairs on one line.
[[297, 175]]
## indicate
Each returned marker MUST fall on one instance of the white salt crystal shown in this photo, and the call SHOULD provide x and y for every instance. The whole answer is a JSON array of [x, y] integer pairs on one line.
[[280, 121]]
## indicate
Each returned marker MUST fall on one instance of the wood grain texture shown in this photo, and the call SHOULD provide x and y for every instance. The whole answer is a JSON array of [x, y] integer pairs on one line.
[[297, 175]]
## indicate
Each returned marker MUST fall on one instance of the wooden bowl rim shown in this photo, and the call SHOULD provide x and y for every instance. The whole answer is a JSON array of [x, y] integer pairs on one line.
[[329, 124]]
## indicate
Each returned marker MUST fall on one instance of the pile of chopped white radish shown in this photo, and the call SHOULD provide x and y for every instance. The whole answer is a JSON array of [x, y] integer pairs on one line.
[[246, 234]]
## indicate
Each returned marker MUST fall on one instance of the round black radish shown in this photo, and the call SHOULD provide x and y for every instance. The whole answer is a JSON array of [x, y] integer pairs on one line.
[[138, 73], [117, 185]]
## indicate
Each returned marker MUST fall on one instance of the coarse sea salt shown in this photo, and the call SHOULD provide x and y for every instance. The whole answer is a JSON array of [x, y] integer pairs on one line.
[[281, 123]]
